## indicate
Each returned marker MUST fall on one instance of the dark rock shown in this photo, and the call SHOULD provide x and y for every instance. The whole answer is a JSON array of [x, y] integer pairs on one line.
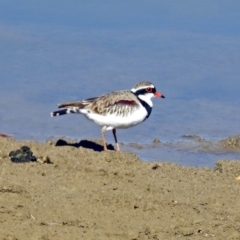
[[25, 148], [22, 155]]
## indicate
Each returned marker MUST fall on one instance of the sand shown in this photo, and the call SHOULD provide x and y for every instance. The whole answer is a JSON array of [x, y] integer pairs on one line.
[[80, 193]]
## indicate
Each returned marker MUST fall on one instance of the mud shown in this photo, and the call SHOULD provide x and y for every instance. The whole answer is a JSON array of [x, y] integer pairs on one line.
[[89, 194], [231, 143]]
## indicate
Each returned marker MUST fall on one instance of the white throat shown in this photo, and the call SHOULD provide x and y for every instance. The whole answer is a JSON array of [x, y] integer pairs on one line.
[[147, 98]]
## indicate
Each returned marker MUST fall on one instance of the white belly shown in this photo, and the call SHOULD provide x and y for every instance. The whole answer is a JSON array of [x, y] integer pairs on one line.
[[116, 121]]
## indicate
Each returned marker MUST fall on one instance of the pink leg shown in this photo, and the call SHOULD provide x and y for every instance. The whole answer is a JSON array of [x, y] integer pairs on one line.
[[103, 138], [115, 138]]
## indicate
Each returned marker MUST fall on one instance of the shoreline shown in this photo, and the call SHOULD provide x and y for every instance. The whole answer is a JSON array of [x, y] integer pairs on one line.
[[190, 150]]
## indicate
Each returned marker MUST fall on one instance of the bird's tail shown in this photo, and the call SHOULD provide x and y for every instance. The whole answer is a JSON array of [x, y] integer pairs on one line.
[[65, 111], [59, 112]]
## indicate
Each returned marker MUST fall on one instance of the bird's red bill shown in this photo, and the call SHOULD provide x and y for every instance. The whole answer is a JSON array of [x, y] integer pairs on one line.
[[158, 94]]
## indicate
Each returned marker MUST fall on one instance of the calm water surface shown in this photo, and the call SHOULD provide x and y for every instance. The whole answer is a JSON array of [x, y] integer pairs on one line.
[[74, 50]]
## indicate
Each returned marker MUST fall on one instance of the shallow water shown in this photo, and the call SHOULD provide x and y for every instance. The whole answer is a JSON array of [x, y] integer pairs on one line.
[[189, 152], [65, 54]]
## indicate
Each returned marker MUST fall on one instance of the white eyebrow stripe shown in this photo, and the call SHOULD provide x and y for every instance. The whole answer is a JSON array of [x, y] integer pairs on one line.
[[139, 88]]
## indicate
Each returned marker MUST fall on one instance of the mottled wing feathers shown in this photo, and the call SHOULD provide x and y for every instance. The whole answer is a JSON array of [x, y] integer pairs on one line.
[[78, 104], [120, 103], [70, 104]]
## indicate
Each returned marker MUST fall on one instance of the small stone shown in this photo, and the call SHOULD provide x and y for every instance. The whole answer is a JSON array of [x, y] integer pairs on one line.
[[238, 178], [156, 140], [186, 231], [155, 166], [44, 160]]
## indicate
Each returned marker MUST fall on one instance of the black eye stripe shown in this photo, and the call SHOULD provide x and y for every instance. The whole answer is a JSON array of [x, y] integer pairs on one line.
[[143, 91], [149, 89]]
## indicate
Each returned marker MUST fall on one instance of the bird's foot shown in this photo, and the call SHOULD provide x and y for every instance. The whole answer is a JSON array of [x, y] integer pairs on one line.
[[118, 148], [105, 148]]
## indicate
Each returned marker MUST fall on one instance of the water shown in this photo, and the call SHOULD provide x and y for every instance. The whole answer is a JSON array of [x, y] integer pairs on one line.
[[57, 51]]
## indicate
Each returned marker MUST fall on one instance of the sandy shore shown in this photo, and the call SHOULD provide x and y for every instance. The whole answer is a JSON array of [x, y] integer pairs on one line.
[[86, 194]]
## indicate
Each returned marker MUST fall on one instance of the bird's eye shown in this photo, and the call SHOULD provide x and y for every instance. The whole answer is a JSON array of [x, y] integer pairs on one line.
[[149, 90]]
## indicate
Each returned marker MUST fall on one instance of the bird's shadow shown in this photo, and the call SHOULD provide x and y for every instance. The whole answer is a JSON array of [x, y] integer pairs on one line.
[[83, 143]]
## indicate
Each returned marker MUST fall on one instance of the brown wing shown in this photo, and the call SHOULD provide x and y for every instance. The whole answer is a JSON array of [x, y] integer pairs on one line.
[[126, 102], [120, 103], [78, 104]]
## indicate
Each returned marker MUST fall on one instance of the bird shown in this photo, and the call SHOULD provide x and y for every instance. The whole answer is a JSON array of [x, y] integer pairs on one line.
[[115, 110]]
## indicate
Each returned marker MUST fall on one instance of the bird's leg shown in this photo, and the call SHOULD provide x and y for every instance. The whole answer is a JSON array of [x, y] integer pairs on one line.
[[115, 138], [103, 138]]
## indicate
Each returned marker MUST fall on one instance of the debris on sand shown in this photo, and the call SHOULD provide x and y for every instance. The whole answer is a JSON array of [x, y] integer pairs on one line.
[[24, 154], [44, 160], [3, 135]]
